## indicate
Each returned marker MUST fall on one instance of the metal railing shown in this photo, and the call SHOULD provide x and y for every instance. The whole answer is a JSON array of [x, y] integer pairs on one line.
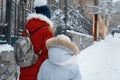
[[13, 15], [68, 14]]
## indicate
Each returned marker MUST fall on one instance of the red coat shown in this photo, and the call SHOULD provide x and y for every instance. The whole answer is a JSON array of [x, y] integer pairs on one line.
[[38, 39]]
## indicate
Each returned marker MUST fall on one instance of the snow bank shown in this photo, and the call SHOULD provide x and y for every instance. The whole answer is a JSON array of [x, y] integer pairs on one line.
[[101, 60], [5, 47]]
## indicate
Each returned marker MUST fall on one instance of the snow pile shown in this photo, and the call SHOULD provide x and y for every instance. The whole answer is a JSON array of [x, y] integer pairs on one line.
[[5, 47], [101, 60]]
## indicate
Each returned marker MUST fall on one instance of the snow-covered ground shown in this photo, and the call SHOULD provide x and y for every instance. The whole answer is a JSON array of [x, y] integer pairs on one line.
[[99, 61], [5, 47]]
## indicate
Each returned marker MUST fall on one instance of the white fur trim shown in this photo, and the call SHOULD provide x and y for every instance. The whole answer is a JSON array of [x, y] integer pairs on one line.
[[40, 3], [63, 37], [41, 17], [59, 41]]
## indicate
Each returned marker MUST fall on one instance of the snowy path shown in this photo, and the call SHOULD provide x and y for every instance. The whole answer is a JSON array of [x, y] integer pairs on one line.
[[101, 61]]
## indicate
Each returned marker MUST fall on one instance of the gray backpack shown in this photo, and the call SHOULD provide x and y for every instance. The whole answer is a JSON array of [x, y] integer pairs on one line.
[[24, 52]]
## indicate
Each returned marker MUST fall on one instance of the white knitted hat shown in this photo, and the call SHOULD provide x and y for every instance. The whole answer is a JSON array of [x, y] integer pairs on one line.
[[40, 3]]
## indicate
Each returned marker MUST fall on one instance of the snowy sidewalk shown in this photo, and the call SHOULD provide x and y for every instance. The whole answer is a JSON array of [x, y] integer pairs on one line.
[[101, 60]]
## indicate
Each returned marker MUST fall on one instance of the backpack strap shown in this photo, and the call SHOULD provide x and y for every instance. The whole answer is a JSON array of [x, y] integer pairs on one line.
[[40, 52], [28, 33], [39, 29]]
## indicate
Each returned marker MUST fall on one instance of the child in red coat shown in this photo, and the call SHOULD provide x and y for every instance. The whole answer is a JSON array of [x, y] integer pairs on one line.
[[42, 26]]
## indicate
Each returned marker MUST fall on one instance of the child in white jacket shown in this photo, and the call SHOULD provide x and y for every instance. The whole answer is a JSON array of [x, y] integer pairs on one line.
[[61, 62]]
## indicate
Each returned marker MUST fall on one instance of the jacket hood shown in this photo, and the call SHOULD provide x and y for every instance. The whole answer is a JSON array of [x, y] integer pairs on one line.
[[61, 56], [61, 50], [63, 40], [40, 17]]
